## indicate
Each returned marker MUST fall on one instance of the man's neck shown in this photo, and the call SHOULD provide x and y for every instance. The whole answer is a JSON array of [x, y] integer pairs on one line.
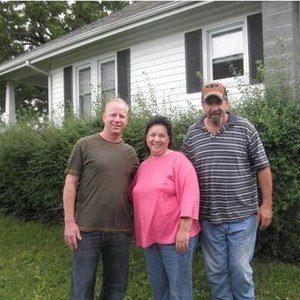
[[110, 138]]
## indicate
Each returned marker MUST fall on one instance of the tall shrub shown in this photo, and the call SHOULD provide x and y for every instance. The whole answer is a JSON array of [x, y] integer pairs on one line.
[[17, 144], [275, 113], [32, 163]]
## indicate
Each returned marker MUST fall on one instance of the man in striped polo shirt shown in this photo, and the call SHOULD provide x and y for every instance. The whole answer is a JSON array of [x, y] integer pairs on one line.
[[228, 156]]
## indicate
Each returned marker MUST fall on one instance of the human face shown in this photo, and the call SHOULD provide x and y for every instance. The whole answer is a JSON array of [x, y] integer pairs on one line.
[[215, 111], [157, 140], [115, 118]]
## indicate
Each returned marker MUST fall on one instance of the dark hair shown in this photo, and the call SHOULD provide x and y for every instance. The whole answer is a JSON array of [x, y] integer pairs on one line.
[[158, 120]]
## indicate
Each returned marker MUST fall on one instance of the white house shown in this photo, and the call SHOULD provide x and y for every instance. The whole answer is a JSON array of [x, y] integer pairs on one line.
[[161, 45]]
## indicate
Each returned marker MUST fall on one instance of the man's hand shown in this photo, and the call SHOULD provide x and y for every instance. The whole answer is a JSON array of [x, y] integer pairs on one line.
[[71, 234], [264, 216]]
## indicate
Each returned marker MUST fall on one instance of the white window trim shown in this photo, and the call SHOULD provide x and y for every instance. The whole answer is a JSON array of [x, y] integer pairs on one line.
[[76, 69], [98, 61], [95, 79], [207, 65]]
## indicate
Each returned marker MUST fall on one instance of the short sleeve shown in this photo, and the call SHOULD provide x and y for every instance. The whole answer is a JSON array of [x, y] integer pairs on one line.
[[186, 145], [136, 163], [75, 161], [134, 160], [257, 152], [185, 148]]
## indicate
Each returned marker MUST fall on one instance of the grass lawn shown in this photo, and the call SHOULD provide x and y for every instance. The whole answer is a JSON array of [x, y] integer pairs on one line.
[[35, 264]]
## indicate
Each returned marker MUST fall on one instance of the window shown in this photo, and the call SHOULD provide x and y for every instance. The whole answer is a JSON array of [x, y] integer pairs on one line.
[[84, 91], [107, 79], [96, 81], [226, 51], [227, 54], [223, 52]]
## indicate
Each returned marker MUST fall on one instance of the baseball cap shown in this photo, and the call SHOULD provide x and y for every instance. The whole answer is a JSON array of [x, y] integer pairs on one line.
[[214, 89]]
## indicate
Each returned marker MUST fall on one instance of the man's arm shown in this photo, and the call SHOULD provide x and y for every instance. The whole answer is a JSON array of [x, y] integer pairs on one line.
[[71, 233], [264, 215]]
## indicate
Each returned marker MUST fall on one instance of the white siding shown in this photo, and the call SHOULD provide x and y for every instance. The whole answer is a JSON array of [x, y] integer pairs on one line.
[[56, 99], [158, 69], [157, 54]]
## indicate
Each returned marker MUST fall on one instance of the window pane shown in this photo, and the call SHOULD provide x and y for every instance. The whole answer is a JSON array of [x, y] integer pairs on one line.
[[85, 104], [108, 76], [227, 43], [227, 54], [85, 81], [228, 68], [109, 94], [85, 100]]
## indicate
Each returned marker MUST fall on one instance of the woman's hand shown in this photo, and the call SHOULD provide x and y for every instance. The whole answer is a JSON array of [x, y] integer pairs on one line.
[[183, 235], [182, 241]]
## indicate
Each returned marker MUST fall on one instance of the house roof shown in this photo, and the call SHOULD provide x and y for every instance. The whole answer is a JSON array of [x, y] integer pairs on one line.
[[130, 17]]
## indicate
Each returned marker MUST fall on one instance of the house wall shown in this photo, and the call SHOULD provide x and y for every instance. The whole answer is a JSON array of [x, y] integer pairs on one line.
[[281, 32], [158, 69], [157, 61], [56, 95]]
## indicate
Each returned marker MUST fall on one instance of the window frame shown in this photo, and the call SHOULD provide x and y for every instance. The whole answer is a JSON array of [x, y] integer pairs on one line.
[[210, 30], [95, 67], [76, 69], [98, 62]]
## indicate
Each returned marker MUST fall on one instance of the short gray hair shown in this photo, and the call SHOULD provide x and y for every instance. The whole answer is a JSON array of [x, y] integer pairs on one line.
[[119, 100]]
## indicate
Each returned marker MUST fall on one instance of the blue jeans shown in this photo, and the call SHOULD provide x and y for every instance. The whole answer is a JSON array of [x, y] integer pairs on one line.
[[115, 256], [170, 273], [228, 250]]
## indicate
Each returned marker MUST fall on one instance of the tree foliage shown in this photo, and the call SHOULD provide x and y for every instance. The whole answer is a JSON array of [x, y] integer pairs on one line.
[[25, 25]]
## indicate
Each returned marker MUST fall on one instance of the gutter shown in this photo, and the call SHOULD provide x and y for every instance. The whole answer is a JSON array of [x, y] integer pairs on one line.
[[28, 64], [89, 36]]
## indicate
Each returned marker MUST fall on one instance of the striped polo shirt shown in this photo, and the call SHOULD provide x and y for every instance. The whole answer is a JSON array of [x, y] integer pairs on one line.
[[226, 165]]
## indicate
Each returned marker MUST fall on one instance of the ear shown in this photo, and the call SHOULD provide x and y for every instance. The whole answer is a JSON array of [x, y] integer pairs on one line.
[[227, 105]]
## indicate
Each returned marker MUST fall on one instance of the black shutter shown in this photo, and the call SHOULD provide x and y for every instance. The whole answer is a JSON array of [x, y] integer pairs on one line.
[[193, 61], [123, 66], [255, 42], [68, 86]]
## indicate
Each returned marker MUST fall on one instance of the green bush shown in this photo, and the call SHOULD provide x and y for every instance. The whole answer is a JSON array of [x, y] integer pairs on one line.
[[275, 113], [33, 158], [32, 163]]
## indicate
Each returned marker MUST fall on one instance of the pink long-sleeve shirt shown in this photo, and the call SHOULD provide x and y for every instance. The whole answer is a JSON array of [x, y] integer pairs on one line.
[[165, 189]]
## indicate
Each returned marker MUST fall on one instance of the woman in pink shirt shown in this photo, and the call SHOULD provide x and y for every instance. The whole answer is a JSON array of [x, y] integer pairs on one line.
[[166, 208]]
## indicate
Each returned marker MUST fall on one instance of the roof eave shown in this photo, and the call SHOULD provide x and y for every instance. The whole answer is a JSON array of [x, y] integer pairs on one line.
[[97, 34]]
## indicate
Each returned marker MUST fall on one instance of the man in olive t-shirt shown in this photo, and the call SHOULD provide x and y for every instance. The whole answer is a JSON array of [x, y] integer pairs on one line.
[[97, 212]]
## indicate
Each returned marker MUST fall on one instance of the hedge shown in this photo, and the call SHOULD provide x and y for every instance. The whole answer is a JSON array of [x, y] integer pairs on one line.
[[33, 158]]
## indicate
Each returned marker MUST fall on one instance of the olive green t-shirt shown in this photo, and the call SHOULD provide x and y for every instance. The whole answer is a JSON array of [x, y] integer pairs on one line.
[[105, 170]]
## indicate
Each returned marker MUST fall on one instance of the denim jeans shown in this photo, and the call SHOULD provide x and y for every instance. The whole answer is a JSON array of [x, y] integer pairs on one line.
[[113, 248], [228, 250], [170, 273]]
